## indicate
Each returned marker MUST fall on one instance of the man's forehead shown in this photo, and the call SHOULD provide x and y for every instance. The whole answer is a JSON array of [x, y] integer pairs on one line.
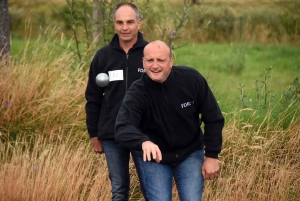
[[158, 45], [124, 20], [161, 55], [125, 10]]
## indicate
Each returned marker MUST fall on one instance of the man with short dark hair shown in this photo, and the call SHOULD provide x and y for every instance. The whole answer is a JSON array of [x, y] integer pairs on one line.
[[121, 59]]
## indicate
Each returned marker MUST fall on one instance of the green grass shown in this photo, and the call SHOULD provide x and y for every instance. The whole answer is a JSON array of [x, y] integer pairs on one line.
[[213, 61], [55, 46], [225, 66], [43, 97], [18, 45]]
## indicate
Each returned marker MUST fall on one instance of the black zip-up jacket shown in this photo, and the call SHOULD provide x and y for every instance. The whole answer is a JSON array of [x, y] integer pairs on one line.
[[168, 115], [103, 103]]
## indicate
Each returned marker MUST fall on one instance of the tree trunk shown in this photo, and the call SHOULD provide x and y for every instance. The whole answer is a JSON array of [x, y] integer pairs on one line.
[[98, 15], [4, 29]]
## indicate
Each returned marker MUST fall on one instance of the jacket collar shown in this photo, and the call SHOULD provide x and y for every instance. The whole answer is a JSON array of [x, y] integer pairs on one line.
[[115, 41], [155, 85]]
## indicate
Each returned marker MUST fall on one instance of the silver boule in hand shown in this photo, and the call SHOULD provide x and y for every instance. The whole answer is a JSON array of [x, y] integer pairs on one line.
[[102, 79]]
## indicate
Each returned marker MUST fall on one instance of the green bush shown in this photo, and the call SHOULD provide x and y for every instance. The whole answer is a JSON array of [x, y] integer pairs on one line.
[[291, 25], [217, 21], [234, 62]]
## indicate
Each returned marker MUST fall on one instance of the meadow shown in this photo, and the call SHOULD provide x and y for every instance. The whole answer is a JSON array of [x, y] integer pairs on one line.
[[44, 147], [45, 153]]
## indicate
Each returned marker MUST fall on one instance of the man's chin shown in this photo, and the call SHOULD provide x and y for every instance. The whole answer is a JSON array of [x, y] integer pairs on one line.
[[155, 78], [126, 39]]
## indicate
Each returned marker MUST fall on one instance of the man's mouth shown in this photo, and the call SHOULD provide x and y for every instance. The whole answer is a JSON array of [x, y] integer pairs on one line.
[[155, 71]]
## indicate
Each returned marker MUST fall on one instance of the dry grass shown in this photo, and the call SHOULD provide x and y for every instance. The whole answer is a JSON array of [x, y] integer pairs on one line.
[[65, 168], [42, 106], [266, 169], [39, 91], [44, 169]]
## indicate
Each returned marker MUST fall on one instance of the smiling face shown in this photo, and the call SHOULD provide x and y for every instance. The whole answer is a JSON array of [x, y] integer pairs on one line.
[[127, 24], [157, 61]]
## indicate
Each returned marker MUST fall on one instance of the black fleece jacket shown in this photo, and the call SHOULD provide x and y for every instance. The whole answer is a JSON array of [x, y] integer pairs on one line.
[[168, 115], [103, 103]]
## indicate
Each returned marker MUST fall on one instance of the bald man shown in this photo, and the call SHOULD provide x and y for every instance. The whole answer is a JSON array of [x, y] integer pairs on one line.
[[159, 118]]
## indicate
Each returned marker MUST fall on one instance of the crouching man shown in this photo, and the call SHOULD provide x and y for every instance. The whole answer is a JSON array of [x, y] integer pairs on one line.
[[159, 117]]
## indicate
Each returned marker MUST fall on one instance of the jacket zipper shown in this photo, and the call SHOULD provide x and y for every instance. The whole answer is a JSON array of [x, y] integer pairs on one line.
[[163, 89], [127, 56], [166, 97]]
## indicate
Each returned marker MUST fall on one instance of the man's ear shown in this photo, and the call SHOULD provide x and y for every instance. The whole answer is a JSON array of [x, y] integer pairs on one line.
[[172, 61], [139, 23]]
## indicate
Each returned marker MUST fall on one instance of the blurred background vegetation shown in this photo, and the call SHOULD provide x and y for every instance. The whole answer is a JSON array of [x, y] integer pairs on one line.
[[261, 21], [208, 20]]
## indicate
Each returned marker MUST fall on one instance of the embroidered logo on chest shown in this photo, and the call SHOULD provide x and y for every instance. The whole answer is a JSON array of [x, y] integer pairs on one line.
[[141, 70], [183, 105]]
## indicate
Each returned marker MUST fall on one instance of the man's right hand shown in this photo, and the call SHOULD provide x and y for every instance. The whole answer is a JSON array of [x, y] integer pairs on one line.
[[151, 150], [96, 145]]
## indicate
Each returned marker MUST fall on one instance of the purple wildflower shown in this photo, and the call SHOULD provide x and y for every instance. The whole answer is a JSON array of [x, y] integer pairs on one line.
[[6, 104]]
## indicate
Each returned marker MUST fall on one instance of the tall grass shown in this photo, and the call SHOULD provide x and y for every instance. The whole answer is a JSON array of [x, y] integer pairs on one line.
[[45, 153], [41, 89], [258, 164], [41, 168]]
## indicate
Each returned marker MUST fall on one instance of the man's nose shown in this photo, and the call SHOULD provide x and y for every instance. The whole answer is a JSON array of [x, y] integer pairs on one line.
[[155, 64], [125, 26]]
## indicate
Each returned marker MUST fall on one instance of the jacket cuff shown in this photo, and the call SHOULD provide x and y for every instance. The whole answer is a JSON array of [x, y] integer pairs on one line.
[[92, 135], [92, 131], [211, 155]]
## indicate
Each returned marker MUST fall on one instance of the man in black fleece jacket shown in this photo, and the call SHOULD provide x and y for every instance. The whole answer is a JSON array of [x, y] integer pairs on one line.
[[159, 117], [121, 59]]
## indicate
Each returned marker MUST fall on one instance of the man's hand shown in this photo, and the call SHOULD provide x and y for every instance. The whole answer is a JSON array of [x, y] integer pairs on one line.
[[96, 145], [151, 149], [210, 168]]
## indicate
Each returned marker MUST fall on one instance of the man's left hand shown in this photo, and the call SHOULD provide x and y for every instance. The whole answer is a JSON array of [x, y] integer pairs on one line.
[[210, 168]]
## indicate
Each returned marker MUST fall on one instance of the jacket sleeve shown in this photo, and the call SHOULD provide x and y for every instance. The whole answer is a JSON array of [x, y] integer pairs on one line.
[[127, 131], [212, 118], [94, 98]]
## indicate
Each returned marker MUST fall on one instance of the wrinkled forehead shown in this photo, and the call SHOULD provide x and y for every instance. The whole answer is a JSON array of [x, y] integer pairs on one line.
[[157, 48]]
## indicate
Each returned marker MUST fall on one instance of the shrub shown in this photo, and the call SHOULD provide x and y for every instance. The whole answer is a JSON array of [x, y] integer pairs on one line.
[[218, 22]]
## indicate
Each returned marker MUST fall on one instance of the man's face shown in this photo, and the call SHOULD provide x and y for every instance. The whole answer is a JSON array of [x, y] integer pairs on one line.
[[157, 61], [126, 24]]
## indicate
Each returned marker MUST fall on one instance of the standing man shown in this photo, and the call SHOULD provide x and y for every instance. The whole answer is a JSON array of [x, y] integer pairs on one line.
[[121, 59], [159, 117]]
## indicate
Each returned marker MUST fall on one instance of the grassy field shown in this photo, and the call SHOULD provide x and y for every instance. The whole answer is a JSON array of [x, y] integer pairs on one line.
[[45, 153], [44, 147], [225, 66]]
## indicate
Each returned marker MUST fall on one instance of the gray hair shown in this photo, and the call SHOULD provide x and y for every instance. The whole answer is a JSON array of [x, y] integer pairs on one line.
[[134, 7]]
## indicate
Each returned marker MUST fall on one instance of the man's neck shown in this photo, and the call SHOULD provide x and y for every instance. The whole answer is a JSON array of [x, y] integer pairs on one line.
[[126, 46]]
